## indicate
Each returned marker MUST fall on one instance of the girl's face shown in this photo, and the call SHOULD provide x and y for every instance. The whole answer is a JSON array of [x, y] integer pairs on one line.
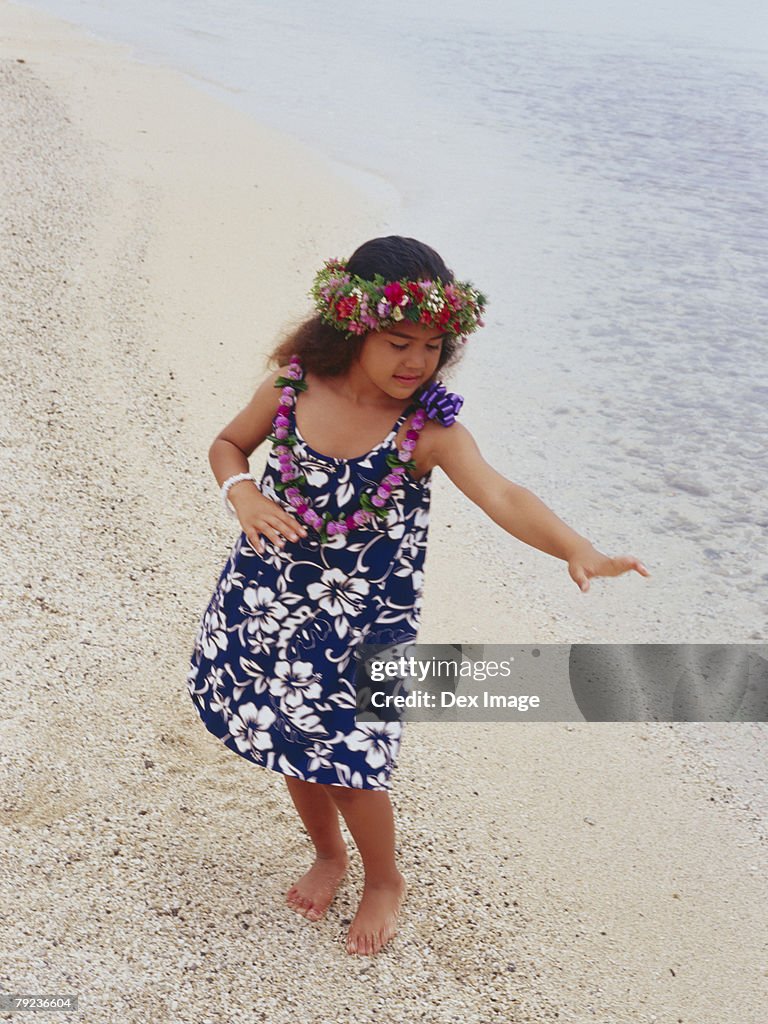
[[402, 358]]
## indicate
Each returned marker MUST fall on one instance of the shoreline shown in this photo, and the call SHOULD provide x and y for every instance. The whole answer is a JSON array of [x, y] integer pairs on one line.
[[135, 207]]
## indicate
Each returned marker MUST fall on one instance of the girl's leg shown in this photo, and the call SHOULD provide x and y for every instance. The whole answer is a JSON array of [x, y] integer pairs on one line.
[[369, 817], [312, 894]]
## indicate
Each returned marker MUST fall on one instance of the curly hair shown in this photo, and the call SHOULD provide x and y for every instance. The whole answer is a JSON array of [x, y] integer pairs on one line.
[[326, 351]]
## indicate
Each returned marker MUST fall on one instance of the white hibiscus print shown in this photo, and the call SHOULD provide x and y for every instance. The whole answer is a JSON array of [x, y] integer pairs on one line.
[[319, 756], [294, 683], [378, 741], [221, 705], [250, 728], [340, 595], [263, 611]]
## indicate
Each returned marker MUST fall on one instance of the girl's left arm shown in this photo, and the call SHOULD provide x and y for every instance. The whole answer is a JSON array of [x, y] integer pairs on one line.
[[518, 511]]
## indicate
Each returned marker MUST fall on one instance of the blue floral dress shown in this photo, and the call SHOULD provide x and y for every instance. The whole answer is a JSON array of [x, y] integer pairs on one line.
[[272, 670]]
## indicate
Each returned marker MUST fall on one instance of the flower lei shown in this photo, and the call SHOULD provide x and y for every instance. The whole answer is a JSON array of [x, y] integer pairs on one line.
[[356, 305], [434, 402]]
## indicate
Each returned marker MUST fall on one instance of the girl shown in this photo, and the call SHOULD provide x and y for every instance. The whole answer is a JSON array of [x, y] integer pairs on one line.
[[332, 547]]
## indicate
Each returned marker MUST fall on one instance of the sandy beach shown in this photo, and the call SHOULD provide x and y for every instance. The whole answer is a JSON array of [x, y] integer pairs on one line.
[[155, 242]]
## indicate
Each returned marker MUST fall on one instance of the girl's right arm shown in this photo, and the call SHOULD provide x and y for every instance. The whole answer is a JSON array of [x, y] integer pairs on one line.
[[229, 454]]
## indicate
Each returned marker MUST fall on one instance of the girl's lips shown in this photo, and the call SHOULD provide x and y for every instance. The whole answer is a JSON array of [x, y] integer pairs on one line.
[[406, 380]]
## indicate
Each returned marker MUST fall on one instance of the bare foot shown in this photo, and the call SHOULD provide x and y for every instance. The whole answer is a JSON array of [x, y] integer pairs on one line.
[[312, 894], [376, 919]]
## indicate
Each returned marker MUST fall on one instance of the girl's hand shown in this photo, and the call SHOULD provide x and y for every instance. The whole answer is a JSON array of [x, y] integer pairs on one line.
[[259, 515], [587, 562]]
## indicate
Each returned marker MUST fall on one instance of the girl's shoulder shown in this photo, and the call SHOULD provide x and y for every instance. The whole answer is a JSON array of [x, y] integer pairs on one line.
[[437, 441]]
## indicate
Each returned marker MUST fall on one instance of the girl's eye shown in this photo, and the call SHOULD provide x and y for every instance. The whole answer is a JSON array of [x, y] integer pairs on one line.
[[398, 347], [433, 348]]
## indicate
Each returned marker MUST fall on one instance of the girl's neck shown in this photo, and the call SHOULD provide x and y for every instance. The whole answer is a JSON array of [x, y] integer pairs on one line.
[[355, 388]]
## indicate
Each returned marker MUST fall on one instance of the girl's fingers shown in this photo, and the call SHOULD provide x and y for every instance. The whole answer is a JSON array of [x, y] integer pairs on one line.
[[255, 540], [629, 562], [295, 530], [626, 564], [288, 528], [282, 528], [579, 577], [609, 567], [273, 532]]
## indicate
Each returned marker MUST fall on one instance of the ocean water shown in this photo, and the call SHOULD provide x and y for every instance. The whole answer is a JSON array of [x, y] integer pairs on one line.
[[600, 171]]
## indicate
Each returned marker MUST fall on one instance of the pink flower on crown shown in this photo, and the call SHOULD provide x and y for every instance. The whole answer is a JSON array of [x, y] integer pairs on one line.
[[395, 294], [452, 297]]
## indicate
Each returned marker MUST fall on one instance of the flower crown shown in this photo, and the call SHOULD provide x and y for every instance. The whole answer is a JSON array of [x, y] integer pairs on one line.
[[356, 305]]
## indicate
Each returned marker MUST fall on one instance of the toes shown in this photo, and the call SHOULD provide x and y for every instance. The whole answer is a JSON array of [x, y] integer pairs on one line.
[[368, 944]]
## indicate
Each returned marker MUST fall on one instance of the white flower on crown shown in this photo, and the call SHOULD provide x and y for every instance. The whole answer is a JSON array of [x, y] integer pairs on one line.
[[397, 313]]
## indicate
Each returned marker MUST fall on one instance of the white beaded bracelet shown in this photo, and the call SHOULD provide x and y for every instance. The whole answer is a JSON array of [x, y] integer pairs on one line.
[[225, 490]]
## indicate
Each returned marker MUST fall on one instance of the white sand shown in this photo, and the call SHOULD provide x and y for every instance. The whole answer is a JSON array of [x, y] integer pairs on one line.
[[153, 243]]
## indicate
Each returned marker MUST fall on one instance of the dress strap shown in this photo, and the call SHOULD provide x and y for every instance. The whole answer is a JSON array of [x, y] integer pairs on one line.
[[403, 417]]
